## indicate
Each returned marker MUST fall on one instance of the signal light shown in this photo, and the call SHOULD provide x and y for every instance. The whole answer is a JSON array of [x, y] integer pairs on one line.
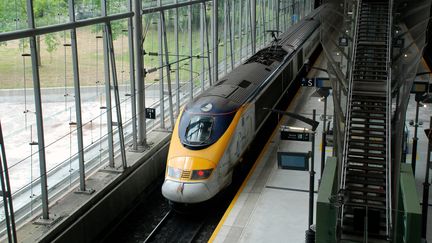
[[201, 174]]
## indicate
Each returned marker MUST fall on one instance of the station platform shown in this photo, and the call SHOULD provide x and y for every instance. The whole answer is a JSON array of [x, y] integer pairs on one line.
[[272, 203]]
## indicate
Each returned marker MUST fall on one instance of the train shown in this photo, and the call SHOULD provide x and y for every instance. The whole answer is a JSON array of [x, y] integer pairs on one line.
[[212, 132]]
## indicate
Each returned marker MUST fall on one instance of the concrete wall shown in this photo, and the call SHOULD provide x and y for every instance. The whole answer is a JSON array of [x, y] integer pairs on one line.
[[89, 226], [78, 217]]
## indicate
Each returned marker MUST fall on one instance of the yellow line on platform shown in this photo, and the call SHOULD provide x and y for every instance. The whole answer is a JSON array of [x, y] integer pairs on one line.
[[243, 185]]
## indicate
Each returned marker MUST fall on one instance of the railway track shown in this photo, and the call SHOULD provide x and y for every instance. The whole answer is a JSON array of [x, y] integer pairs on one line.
[[175, 227]]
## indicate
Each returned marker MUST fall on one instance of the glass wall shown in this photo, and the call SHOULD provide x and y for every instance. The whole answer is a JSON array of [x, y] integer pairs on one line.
[[79, 86]]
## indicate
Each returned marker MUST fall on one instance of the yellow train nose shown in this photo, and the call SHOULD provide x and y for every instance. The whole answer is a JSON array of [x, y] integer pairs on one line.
[[189, 168], [187, 181]]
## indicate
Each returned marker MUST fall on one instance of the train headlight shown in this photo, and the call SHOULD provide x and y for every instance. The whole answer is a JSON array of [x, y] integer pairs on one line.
[[174, 172], [201, 174]]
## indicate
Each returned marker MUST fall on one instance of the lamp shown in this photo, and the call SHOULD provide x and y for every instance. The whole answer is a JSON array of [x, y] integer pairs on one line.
[[323, 93]]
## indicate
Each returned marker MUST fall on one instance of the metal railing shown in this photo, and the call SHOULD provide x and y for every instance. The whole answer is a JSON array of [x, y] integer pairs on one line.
[[388, 121], [349, 98]]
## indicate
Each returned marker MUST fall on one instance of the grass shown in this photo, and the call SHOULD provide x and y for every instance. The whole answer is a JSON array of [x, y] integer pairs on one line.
[[56, 70]]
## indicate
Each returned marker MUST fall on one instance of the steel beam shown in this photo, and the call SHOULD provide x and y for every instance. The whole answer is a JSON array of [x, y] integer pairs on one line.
[[7, 36], [172, 6], [231, 27], [6, 193], [38, 108], [108, 33], [190, 51], [253, 25], [161, 73], [247, 24], [233, 33], [108, 106], [215, 41], [139, 74], [278, 14], [132, 80], [77, 93], [202, 16], [177, 73], [240, 32], [168, 70], [208, 47], [225, 38]]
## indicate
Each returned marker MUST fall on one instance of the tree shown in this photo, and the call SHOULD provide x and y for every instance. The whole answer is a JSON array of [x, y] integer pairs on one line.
[[52, 43]]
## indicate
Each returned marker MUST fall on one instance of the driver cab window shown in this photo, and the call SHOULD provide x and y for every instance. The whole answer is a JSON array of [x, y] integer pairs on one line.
[[199, 129]]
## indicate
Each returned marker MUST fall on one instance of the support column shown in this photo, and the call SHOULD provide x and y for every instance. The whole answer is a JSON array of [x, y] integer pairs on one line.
[[139, 74], [240, 31], [161, 73], [9, 214], [208, 46], [108, 106], [215, 41], [77, 92], [253, 25], [132, 80], [263, 17], [247, 25], [226, 16], [108, 33], [278, 15], [176, 40], [191, 88], [202, 16], [38, 108], [168, 70], [232, 33]]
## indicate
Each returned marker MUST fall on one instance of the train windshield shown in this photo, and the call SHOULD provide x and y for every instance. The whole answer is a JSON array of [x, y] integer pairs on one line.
[[199, 130]]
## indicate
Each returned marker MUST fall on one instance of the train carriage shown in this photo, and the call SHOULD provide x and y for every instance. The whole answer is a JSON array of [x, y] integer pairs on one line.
[[215, 129]]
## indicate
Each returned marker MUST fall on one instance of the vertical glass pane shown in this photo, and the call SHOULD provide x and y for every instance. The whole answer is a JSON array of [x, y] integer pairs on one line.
[[58, 107], [93, 98], [121, 50], [117, 6], [85, 9], [172, 57], [151, 62], [17, 101], [196, 49], [49, 12], [149, 3], [183, 51], [13, 15]]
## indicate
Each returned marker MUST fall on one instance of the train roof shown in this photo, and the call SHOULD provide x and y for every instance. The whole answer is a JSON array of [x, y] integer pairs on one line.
[[233, 90]]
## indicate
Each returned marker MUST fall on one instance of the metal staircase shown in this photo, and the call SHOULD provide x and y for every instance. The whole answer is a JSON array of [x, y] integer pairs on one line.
[[366, 183]]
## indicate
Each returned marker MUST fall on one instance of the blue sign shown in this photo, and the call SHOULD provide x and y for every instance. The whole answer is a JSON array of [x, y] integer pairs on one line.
[[323, 83]]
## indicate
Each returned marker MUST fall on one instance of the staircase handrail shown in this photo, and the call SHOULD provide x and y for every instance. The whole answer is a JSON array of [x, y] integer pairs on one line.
[[388, 121], [349, 97]]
